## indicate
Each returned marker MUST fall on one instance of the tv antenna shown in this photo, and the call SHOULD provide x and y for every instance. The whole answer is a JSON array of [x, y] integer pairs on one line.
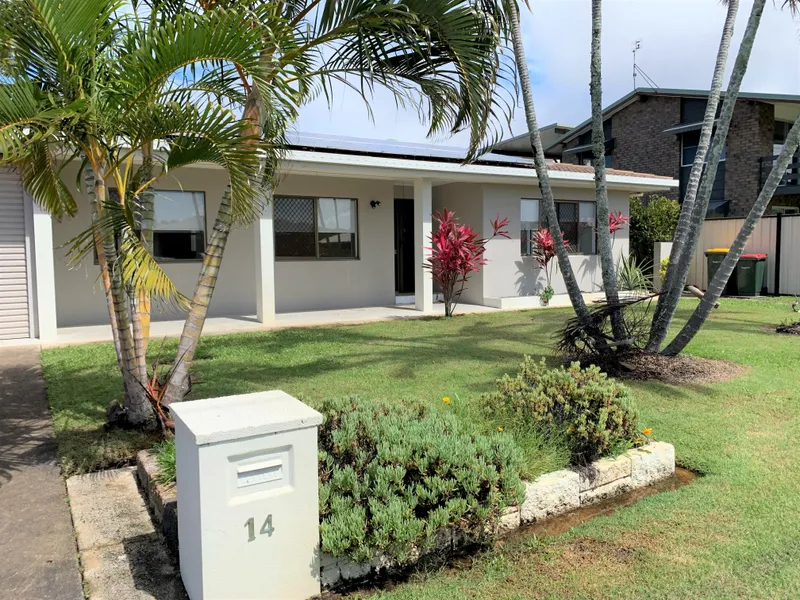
[[637, 70]]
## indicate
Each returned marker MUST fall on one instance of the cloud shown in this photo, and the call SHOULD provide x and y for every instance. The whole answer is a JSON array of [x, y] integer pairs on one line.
[[679, 44]]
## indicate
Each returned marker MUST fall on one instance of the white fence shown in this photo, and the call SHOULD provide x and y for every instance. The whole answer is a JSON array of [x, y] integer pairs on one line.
[[720, 233]]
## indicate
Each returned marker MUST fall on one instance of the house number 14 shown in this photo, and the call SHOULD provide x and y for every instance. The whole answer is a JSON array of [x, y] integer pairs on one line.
[[266, 528]]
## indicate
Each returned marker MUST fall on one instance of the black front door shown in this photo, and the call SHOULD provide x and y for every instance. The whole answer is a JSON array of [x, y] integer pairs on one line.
[[404, 246]]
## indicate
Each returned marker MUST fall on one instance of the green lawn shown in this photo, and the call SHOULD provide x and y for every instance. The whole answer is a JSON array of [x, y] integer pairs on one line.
[[734, 533]]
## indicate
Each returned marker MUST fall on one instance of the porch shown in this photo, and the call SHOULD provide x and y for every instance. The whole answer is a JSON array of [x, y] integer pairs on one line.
[[67, 336]]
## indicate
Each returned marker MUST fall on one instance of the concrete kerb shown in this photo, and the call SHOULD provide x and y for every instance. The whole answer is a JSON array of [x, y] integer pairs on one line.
[[549, 495]]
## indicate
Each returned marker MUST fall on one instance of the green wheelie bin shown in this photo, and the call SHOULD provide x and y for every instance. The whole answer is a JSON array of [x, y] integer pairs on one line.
[[750, 274], [714, 258]]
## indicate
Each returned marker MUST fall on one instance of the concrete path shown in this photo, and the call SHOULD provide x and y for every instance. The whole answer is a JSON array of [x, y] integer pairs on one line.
[[123, 557], [38, 555]]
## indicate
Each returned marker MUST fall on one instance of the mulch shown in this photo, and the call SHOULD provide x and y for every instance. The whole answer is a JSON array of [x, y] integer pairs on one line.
[[789, 328], [676, 370]]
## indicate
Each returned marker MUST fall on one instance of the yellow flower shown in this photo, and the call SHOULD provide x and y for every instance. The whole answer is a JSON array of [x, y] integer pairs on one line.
[[638, 441], [647, 431], [446, 399], [499, 429]]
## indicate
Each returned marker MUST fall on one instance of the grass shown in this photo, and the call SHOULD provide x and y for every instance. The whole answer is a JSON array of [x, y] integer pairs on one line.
[[733, 533]]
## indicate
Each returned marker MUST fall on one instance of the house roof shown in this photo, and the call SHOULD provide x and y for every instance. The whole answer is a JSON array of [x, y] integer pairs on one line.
[[631, 97], [358, 157]]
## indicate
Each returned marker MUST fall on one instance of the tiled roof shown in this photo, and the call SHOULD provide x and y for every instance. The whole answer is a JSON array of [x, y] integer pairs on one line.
[[589, 169]]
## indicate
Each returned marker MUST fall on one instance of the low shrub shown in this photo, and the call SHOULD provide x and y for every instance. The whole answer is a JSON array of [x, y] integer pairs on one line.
[[595, 414], [393, 476]]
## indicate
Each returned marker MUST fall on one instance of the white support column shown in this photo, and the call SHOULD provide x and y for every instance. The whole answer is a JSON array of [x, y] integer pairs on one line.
[[423, 226], [44, 277], [661, 250], [265, 266]]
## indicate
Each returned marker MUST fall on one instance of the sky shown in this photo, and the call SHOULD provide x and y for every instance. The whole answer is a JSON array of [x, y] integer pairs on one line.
[[679, 42]]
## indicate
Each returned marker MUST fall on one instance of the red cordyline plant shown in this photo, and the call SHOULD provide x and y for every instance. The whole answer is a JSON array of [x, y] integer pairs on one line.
[[456, 253], [616, 221], [544, 250]]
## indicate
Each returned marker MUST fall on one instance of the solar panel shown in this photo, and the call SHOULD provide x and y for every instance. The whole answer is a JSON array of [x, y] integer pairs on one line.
[[334, 143]]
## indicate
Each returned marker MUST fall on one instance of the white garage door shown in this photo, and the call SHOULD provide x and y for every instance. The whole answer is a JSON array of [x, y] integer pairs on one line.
[[14, 319]]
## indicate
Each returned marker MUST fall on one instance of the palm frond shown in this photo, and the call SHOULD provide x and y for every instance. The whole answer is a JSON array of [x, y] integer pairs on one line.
[[191, 41], [40, 174], [57, 41], [190, 135], [444, 57], [138, 268]]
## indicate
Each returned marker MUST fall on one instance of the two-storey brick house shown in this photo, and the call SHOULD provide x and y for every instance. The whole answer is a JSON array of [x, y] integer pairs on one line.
[[657, 131]]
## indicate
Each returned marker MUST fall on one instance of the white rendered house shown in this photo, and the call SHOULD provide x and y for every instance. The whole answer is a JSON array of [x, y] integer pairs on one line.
[[347, 228]]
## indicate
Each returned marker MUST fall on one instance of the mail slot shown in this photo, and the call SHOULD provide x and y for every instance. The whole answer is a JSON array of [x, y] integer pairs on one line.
[[265, 472], [248, 514]]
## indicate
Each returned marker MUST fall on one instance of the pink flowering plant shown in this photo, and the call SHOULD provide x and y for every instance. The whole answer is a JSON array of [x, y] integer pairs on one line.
[[544, 251], [616, 221], [456, 253]]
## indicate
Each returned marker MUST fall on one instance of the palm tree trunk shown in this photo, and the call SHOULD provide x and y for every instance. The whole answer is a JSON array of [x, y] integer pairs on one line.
[[138, 410], [178, 384], [680, 269], [140, 303], [601, 190], [688, 201], [105, 278], [573, 289], [717, 284]]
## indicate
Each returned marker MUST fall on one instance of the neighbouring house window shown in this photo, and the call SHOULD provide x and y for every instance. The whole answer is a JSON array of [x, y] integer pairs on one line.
[[718, 206], [179, 225], [307, 227], [585, 158], [779, 136], [578, 221], [693, 110]]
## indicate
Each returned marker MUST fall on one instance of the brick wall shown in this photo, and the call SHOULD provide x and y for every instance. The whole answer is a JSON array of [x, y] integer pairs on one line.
[[641, 146], [750, 138], [639, 143]]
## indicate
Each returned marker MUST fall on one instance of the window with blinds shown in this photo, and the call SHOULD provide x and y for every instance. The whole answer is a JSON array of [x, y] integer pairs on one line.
[[310, 227], [578, 221]]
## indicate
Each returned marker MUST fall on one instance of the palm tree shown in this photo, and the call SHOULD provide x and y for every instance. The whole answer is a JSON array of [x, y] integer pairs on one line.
[[703, 172], [548, 201], [717, 284], [89, 85], [701, 180], [443, 57], [601, 190]]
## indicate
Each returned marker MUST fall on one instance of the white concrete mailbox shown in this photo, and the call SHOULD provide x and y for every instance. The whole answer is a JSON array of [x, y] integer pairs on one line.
[[248, 511]]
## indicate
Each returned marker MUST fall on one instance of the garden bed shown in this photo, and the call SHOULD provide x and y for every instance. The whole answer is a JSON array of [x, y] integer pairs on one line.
[[675, 370], [789, 328], [550, 495]]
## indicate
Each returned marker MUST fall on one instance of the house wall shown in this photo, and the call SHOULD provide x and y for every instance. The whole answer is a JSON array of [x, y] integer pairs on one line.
[[299, 284], [79, 295], [508, 273], [302, 285], [466, 201], [309, 284]]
